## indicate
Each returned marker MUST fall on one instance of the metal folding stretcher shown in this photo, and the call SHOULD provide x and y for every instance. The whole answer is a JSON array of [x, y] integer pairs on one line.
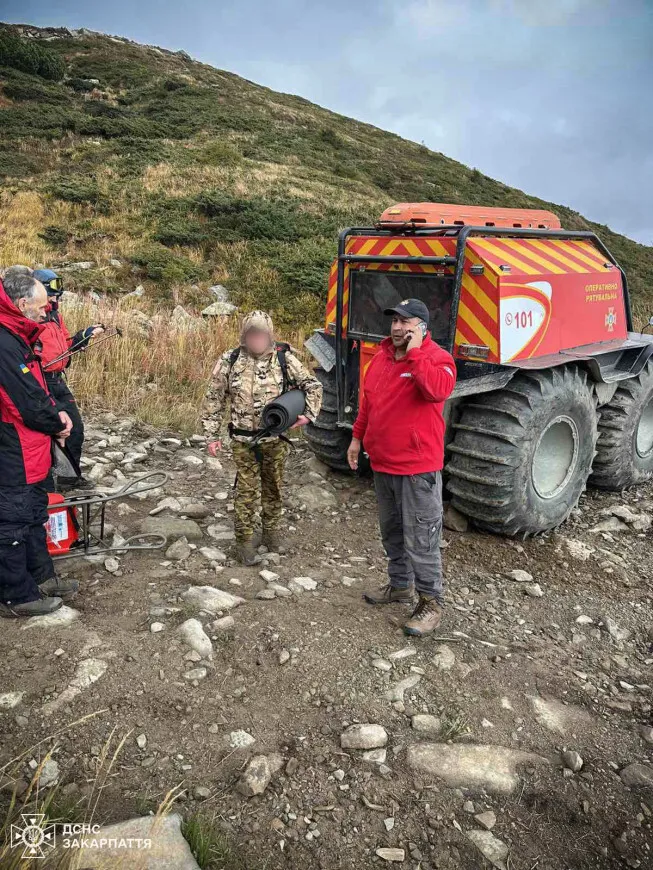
[[76, 525]]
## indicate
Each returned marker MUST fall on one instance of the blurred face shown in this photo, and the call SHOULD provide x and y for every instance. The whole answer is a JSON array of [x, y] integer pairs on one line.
[[34, 308], [257, 341], [401, 329]]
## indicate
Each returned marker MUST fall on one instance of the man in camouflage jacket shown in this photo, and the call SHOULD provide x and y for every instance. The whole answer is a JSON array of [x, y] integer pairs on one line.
[[250, 377]]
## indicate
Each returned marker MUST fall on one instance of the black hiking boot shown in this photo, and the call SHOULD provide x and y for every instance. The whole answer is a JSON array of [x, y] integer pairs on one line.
[[274, 541], [390, 595], [247, 554], [64, 589], [38, 607]]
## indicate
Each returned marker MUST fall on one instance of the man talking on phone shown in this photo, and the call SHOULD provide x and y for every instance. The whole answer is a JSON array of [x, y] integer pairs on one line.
[[401, 425]]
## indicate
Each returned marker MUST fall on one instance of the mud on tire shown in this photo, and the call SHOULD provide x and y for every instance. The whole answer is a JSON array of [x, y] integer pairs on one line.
[[521, 456], [327, 441], [625, 446]]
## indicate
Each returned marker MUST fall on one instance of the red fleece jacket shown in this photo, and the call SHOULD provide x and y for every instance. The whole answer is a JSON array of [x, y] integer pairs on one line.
[[400, 418]]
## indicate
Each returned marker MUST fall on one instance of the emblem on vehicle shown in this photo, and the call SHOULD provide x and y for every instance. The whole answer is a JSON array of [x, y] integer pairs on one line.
[[611, 319]]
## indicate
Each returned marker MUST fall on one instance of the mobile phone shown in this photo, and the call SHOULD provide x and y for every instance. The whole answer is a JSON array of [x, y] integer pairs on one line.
[[423, 328]]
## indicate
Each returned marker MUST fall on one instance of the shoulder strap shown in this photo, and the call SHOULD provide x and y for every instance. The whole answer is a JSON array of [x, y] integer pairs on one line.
[[282, 350]]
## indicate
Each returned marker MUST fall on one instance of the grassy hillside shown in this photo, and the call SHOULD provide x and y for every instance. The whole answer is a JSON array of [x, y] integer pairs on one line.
[[190, 175]]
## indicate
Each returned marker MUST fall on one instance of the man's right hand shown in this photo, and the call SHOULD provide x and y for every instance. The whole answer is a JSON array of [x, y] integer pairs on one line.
[[67, 424], [353, 453], [214, 447]]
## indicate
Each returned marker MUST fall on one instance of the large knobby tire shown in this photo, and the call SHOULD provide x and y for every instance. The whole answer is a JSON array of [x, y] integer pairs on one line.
[[625, 447], [326, 439], [521, 456]]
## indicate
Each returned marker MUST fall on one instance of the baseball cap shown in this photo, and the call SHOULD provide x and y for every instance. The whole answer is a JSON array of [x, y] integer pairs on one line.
[[410, 308]]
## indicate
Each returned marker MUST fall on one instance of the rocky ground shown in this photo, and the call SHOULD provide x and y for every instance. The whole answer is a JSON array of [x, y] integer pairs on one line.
[[305, 722]]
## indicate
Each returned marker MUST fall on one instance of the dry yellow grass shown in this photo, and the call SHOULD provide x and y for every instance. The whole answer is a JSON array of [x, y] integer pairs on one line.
[[158, 376]]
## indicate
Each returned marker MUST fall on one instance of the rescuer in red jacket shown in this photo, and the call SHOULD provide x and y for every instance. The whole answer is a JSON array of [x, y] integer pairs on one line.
[[401, 425], [55, 341], [29, 419]]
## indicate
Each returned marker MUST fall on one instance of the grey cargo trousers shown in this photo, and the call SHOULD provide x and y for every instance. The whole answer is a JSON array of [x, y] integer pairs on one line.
[[410, 517]]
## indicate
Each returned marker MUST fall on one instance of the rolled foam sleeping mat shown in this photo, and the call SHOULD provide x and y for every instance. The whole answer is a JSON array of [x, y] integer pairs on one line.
[[282, 413]]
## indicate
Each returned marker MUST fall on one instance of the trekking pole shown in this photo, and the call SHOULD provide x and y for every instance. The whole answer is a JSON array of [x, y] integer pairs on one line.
[[83, 345]]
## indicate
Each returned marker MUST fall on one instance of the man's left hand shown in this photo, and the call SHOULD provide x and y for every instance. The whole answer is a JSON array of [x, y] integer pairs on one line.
[[98, 329], [302, 420], [416, 339]]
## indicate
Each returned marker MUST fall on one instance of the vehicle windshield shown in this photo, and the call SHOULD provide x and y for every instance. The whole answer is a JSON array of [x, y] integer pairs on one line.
[[372, 291]]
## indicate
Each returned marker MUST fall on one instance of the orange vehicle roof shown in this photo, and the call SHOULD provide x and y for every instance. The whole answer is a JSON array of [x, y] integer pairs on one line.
[[436, 214]]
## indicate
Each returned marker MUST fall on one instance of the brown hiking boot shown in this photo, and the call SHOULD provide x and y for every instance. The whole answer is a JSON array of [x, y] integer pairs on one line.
[[247, 552], [38, 607], [390, 595], [273, 540], [426, 617], [64, 589]]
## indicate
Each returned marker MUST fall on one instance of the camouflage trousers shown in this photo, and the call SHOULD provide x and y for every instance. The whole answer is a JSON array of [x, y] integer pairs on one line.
[[259, 482]]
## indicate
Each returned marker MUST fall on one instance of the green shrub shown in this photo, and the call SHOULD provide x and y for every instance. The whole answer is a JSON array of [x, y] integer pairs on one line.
[[219, 153], [30, 57], [28, 88], [160, 264], [15, 164], [54, 236], [183, 231], [75, 189]]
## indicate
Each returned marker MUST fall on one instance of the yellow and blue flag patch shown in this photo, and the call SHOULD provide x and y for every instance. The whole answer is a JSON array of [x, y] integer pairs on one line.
[[24, 369]]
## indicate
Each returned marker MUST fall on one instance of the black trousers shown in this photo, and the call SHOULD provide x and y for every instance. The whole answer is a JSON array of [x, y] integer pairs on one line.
[[66, 402], [24, 558]]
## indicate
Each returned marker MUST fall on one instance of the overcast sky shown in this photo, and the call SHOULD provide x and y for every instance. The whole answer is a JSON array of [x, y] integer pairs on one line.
[[552, 96]]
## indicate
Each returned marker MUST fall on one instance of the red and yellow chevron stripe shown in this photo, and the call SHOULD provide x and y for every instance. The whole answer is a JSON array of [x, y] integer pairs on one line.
[[539, 256]]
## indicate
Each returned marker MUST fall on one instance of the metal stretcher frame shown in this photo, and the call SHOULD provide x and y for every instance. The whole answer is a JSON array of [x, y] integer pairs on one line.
[[90, 510]]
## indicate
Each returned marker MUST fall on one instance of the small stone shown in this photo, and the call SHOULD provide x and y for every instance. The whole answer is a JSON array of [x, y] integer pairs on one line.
[[59, 619], [280, 591], [284, 656], [389, 823], [213, 554], [468, 807], [195, 675], [222, 625], [268, 576], [396, 692], [141, 741], [366, 736], [454, 520], [240, 739], [646, 733], [112, 565], [486, 820], [201, 792], [9, 700], [49, 774], [179, 551], [444, 659], [611, 524], [210, 599], [534, 590], [256, 777], [375, 756], [637, 776], [426, 724], [194, 635], [302, 584], [266, 594], [608, 624], [572, 760], [520, 576], [578, 550], [584, 620], [381, 665], [156, 627], [490, 847], [404, 653], [391, 855]]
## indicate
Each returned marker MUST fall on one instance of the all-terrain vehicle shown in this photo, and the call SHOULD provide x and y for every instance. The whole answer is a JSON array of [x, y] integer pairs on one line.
[[554, 387]]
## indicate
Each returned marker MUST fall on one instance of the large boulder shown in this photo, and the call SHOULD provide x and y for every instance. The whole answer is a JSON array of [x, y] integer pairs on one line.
[[170, 527], [219, 309], [168, 850]]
